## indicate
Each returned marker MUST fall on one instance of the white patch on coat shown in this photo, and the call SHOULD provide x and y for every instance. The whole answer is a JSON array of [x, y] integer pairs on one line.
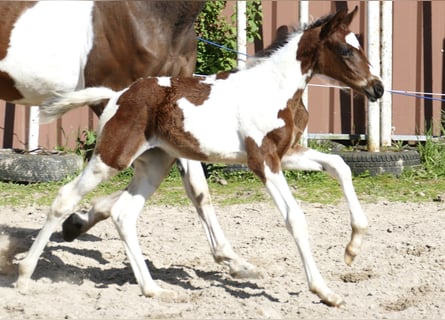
[[164, 81], [352, 40], [245, 105], [48, 49]]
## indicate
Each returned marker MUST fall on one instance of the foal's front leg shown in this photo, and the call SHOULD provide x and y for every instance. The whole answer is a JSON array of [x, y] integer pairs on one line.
[[278, 188], [67, 198], [300, 158]]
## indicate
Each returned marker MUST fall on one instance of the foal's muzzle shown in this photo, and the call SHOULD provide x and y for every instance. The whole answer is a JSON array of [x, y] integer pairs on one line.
[[375, 90]]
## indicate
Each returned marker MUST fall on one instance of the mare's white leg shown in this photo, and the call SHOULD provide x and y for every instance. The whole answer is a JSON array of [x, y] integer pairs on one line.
[[197, 190], [150, 169], [296, 224], [308, 159], [69, 195]]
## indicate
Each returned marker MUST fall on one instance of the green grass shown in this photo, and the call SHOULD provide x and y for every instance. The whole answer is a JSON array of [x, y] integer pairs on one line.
[[424, 184]]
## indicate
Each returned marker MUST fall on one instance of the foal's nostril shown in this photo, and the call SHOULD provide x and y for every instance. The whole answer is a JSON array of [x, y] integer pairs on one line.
[[379, 90]]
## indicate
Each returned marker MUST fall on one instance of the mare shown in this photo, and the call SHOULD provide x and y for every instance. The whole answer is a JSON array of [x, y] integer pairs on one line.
[[251, 116], [51, 47]]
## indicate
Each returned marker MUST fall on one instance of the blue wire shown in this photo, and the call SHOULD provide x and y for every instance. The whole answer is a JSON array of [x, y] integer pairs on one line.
[[415, 95], [222, 47], [391, 91]]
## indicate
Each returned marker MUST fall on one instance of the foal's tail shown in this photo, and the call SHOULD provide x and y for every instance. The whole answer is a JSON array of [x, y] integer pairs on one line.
[[59, 104]]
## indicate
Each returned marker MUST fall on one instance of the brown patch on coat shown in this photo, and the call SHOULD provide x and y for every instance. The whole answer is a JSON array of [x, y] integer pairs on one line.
[[307, 48], [8, 91], [300, 115], [148, 110], [223, 75], [124, 134], [193, 89], [274, 145]]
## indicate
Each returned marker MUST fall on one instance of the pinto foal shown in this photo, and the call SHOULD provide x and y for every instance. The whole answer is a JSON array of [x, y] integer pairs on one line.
[[253, 116]]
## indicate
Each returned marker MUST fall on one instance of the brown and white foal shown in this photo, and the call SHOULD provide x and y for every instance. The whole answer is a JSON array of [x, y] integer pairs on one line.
[[252, 116]]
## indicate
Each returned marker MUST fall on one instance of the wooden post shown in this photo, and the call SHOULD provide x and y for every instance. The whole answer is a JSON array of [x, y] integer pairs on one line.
[[373, 46], [304, 19], [8, 132], [241, 25], [386, 72]]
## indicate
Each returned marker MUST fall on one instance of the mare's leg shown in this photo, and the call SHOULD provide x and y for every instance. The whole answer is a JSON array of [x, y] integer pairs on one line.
[[197, 190], [67, 198], [150, 168], [301, 158]]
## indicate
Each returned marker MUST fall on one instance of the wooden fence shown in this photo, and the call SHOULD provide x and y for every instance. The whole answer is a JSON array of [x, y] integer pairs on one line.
[[418, 66]]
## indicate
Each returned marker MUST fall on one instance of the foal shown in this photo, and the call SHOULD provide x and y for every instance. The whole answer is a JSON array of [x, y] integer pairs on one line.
[[252, 116]]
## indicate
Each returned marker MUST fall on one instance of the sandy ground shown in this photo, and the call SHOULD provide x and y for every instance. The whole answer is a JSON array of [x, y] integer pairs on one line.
[[400, 273]]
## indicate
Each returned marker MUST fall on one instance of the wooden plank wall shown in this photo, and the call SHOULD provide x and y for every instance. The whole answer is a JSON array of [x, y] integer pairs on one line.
[[418, 51]]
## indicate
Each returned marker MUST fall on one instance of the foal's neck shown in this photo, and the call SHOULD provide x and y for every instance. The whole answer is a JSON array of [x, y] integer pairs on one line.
[[285, 69]]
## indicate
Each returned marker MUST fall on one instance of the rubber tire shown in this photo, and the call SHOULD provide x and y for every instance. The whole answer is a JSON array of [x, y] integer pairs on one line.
[[377, 163], [29, 168]]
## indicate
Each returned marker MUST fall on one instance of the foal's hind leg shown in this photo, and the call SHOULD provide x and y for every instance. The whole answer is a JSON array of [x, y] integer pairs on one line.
[[80, 222], [197, 190], [151, 166], [301, 158], [67, 198]]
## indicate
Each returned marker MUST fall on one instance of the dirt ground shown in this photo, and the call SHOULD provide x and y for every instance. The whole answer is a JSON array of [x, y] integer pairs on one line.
[[400, 273]]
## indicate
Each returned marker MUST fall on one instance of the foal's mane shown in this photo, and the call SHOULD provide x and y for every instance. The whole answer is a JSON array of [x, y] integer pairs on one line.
[[284, 33]]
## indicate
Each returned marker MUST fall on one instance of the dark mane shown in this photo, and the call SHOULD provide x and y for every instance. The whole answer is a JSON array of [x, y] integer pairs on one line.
[[318, 22], [285, 32], [281, 39]]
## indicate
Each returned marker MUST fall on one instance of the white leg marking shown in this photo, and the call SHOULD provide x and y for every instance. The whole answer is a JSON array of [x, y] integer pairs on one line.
[[150, 169], [197, 190], [307, 159], [296, 224], [67, 198]]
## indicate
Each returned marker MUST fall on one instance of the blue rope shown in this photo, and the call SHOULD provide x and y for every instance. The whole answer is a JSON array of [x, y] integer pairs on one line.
[[388, 90], [222, 47], [415, 95]]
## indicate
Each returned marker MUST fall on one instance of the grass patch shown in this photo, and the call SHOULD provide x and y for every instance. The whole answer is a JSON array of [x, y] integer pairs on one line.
[[424, 184]]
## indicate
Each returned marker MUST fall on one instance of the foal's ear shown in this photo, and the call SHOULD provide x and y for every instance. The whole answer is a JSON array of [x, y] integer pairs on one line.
[[281, 33], [350, 16], [333, 23]]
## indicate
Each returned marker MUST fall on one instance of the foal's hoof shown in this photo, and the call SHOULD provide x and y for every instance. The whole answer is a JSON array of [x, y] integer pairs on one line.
[[22, 282], [349, 256], [245, 271], [353, 247], [332, 299], [72, 227], [163, 295]]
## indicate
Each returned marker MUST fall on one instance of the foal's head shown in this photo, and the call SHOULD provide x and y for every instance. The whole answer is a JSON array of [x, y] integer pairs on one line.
[[328, 47]]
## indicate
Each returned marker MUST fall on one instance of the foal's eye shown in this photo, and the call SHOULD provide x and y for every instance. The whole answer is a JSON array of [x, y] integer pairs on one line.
[[345, 51]]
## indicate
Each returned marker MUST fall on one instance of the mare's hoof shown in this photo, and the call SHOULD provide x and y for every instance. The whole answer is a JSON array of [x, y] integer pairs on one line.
[[72, 227]]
